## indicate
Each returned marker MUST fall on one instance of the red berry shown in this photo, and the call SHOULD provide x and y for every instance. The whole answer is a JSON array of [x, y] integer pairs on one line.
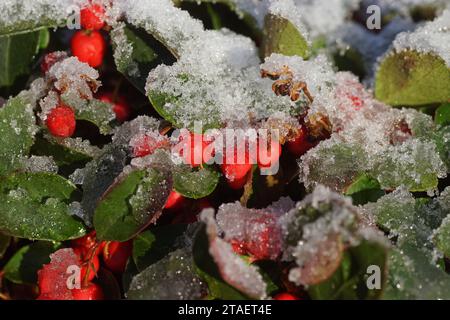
[[91, 292], [199, 150], [285, 296], [61, 122], [120, 105], [92, 17], [88, 241], [175, 201], [89, 47], [116, 254], [266, 159], [51, 58], [236, 173], [300, 145]]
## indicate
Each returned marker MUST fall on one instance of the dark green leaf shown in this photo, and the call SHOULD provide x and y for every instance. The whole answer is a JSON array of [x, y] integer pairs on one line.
[[96, 112], [195, 184], [152, 245], [99, 175], [442, 237], [171, 278], [364, 189], [36, 206], [23, 266], [135, 200], [16, 54], [17, 127], [144, 53], [65, 152]]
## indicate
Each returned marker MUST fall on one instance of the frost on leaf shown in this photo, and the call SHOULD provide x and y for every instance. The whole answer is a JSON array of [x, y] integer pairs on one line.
[[317, 232], [417, 71], [171, 278], [18, 15], [53, 277], [233, 269], [254, 231]]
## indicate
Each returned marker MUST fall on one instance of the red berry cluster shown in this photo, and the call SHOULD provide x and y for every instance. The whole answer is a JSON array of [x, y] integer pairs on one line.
[[88, 45]]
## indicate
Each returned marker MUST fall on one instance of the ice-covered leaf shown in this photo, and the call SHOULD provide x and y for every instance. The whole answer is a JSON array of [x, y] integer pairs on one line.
[[53, 278], [195, 184], [16, 55], [99, 174], [66, 152], [441, 236], [134, 201], [442, 139], [136, 53], [24, 264], [318, 231], [284, 32], [98, 113], [333, 163], [21, 16], [411, 221], [411, 275], [17, 129], [235, 271], [36, 206], [171, 278], [209, 272], [413, 78]]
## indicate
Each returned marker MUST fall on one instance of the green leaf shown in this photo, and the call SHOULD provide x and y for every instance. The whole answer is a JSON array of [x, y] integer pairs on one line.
[[17, 127], [442, 138], [159, 100], [442, 116], [98, 113], [281, 36], [135, 200], [65, 152], [16, 54], [442, 237], [23, 266], [152, 245], [364, 189], [209, 272], [99, 175], [21, 17], [136, 53], [171, 278], [413, 79], [350, 280], [44, 38], [4, 243], [412, 276], [36, 206], [195, 184]]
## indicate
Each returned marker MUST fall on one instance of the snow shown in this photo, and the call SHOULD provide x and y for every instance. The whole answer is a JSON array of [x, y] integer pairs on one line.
[[40, 164], [74, 79], [288, 10], [324, 17], [433, 37], [30, 13]]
